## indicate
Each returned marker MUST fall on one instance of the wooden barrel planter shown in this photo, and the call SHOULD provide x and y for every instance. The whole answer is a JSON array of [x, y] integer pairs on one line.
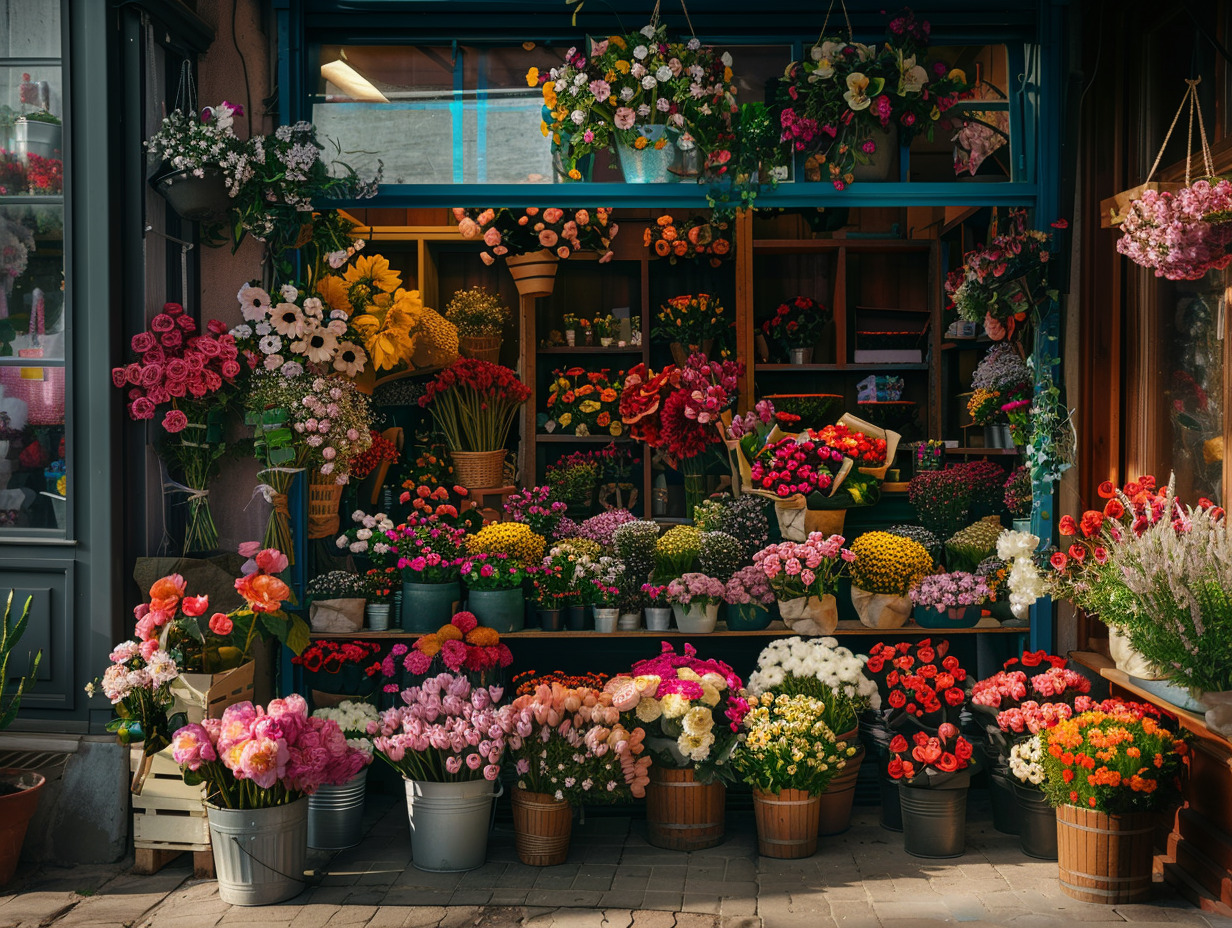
[[786, 823], [1103, 858], [834, 807], [542, 828], [681, 813]]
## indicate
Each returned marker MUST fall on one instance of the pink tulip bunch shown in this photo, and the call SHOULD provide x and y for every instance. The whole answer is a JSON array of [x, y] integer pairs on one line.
[[570, 743], [255, 758], [446, 731]]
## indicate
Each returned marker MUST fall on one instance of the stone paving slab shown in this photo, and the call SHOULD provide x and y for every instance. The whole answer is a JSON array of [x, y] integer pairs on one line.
[[612, 879]]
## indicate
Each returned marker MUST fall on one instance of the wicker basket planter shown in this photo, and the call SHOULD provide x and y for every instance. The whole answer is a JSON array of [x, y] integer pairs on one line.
[[479, 470], [323, 501], [480, 347]]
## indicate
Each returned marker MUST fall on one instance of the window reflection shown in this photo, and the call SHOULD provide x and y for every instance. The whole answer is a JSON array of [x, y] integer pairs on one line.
[[1196, 387]]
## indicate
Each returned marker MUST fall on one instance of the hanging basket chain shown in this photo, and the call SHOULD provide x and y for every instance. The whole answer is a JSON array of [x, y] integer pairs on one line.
[[826, 22]]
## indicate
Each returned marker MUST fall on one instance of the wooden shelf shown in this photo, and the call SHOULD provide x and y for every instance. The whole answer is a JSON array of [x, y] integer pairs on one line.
[[591, 349], [845, 368], [775, 629], [550, 438], [788, 246], [974, 452]]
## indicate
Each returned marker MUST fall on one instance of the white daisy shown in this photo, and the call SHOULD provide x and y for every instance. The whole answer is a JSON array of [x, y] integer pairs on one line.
[[313, 308], [289, 293], [271, 344], [317, 344], [254, 303], [288, 320]]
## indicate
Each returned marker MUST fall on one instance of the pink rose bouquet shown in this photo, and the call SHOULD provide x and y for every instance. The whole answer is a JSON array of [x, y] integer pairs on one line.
[[192, 374], [571, 743], [797, 569], [789, 467], [446, 731], [692, 710], [255, 758]]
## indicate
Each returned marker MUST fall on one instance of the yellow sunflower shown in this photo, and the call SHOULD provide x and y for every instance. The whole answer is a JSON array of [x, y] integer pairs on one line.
[[367, 276], [386, 328]]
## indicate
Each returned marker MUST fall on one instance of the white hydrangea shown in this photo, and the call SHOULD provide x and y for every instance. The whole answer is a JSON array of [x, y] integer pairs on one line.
[[353, 718]]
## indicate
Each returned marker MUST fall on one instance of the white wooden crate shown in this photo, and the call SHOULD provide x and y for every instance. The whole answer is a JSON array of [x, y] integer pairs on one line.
[[168, 814]]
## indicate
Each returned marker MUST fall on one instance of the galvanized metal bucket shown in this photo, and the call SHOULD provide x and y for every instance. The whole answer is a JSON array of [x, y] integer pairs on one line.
[[649, 165], [336, 814], [934, 821], [259, 854], [450, 823]]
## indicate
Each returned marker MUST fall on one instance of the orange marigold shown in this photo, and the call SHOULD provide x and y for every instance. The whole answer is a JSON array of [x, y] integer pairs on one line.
[[429, 645]]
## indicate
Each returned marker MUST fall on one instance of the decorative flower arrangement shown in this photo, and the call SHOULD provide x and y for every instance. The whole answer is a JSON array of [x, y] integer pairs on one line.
[[506, 232], [885, 563], [922, 682], [434, 505], [380, 451], [353, 718], [44, 175], [865, 451], [1114, 761], [197, 142], [822, 669], [797, 324], [631, 81], [476, 313], [336, 584], [676, 552], [382, 583], [923, 536], [798, 569], [634, 544], [693, 239], [1018, 499], [573, 478], [602, 528], [748, 585], [690, 320], [969, 546], [1026, 761], [171, 620], [790, 467], [570, 743], [1025, 582], [929, 760], [474, 404], [139, 686], [193, 374], [462, 646], [984, 406], [999, 284], [942, 498], [788, 745], [692, 710], [257, 758], [1182, 235], [1003, 371], [955, 590], [744, 518], [431, 466], [719, 555], [535, 508], [695, 589], [329, 656], [492, 572], [513, 539], [582, 402], [428, 552], [446, 731]]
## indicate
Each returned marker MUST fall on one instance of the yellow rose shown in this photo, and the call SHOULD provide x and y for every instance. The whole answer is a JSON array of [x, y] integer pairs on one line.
[[543, 128], [565, 418]]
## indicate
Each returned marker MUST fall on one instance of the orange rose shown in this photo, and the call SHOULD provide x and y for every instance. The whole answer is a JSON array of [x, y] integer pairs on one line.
[[664, 220], [166, 593], [263, 592], [721, 246], [669, 234], [681, 248], [662, 248], [604, 420]]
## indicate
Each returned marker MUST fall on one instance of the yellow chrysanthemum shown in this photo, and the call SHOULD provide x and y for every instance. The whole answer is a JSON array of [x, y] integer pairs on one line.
[[436, 341], [888, 563], [430, 645], [515, 539]]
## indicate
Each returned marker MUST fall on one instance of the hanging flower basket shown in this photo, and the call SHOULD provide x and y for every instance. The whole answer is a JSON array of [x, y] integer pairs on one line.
[[197, 199], [534, 274]]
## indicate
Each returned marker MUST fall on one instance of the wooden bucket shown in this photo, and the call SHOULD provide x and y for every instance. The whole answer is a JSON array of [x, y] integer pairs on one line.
[[542, 826], [534, 274], [786, 823], [323, 516], [681, 813], [834, 812], [1103, 858], [479, 470]]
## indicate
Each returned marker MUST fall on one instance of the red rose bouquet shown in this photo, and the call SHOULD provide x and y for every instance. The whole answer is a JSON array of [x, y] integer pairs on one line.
[[922, 684], [192, 374], [796, 324], [865, 451], [474, 403], [788, 467], [930, 761]]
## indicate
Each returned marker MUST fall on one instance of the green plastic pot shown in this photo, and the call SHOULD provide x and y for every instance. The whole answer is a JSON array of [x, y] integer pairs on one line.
[[428, 606], [503, 610]]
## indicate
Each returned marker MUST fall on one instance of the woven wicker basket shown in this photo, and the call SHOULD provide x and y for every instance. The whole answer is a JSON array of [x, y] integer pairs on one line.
[[479, 470], [480, 347], [323, 502]]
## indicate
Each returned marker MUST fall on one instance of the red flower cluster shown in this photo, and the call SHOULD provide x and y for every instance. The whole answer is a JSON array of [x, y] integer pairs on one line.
[[945, 752], [641, 398], [788, 467], [44, 175], [1036, 661], [916, 684], [331, 656], [381, 450], [678, 409], [490, 381], [865, 451], [1003, 687], [176, 364]]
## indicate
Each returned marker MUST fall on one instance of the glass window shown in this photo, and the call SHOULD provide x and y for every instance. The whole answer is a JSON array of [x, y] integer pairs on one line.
[[33, 478]]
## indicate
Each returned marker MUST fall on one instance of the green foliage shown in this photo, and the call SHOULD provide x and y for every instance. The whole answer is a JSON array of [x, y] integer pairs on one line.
[[10, 635]]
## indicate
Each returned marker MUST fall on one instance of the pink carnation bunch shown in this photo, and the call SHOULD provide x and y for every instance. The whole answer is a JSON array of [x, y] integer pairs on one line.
[[446, 731], [695, 588], [255, 758], [796, 569], [748, 585], [1033, 717]]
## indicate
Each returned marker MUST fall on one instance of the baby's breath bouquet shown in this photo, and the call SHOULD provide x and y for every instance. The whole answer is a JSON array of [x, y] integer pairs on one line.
[[788, 746], [477, 313], [886, 563]]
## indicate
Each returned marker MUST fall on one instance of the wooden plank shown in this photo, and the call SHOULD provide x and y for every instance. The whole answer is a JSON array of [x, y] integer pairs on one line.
[[203, 865], [528, 339], [148, 861]]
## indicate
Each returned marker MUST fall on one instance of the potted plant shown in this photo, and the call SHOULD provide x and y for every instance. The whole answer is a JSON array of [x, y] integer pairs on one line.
[[257, 802], [336, 811], [336, 601], [494, 590], [605, 603], [658, 610], [719, 554], [571, 323], [480, 318], [474, 404], [430, 556], [690, 323], [1180, 235], [203, 161], [383, 582], [1018, 498], [934, 773], [748, 595], [553, 594], [967, 548], [583, 402], [369, 538], [1108, 789], [533, 240], [573, 480], [694, 710], [19, 789], [461, 645], [804, 577], [692, 239], [605, 329], [949, 600], [446, 741], [695, 599], [796, 327], [821, 669], [799, 474], [1002, 384], [884, 569], [537, 508], [568, 746], [789, 757]]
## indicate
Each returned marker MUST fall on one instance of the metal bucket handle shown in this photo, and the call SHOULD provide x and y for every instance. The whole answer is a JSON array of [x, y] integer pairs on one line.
[[247, 853], [500, 791]]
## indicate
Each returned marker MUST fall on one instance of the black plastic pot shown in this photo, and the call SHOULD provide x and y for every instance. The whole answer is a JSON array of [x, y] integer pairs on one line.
[[934, 821], [197, 199]]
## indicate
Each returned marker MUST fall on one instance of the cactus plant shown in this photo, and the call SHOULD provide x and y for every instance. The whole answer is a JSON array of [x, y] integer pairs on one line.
[[10, 635]]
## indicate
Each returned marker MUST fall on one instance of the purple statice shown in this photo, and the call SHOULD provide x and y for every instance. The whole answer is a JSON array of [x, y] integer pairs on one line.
[[602, 528], [1002, 369], [950, 591]]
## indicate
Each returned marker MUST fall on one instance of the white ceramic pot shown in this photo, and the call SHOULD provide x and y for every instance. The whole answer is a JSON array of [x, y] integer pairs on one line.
[[695, 618]]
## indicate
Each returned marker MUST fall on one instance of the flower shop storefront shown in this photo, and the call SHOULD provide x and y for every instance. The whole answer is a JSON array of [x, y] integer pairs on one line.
[[666, 415]]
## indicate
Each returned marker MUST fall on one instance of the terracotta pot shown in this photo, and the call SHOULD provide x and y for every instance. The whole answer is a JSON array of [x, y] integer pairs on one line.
[[881, 610], [810, 615], [16, 810], [1104, 858], [786, 823], [542, 828], [681, 813]]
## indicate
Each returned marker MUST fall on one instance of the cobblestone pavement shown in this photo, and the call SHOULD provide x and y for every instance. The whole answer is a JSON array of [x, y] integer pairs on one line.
[[613, 879]]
